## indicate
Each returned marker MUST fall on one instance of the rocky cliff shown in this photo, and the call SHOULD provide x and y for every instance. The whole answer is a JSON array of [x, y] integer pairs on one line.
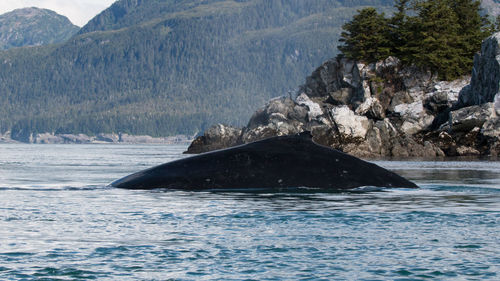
[[383, 110]]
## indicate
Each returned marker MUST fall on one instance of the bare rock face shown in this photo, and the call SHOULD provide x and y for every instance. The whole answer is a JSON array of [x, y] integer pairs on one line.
[[47, 138], [491, 128], [385, 109], [313, 109], [337, 79], [349, 124], [468, 118], [110, 138], [216, 137], [485, 81], [6, 137]]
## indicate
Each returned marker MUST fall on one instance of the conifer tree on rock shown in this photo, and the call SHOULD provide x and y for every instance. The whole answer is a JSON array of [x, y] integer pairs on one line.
[[366, 37], [437, 44], [438, 35]]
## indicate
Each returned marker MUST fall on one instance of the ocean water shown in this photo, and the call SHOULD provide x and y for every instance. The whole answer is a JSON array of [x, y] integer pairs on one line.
[[59, 221]]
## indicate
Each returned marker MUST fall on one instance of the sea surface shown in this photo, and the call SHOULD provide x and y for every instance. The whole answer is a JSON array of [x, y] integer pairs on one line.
[[60, 221]]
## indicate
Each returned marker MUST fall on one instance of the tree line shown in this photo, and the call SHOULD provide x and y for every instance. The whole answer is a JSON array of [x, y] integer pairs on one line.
[[169, 67], [437, 35]]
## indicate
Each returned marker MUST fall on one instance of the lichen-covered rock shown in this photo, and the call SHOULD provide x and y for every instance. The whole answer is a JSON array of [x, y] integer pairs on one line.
[[338, 79], [350, 124], [279, 110], [372, 109], [415, 118], [314, 109], [216, 137], [491, 128], [467, 118]]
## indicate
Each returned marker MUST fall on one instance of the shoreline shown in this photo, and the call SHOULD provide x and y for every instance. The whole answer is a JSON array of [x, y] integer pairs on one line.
[[120, 138]]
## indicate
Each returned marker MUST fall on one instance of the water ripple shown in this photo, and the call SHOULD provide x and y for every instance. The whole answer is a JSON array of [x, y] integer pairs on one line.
[[60, 222]]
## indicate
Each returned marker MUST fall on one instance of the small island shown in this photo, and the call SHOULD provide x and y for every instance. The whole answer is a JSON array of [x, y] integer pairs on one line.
[[400, 88]]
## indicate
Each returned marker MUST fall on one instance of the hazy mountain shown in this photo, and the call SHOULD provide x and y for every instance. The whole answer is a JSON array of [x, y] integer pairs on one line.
[[491, 7], [165, 67], [33, 27]]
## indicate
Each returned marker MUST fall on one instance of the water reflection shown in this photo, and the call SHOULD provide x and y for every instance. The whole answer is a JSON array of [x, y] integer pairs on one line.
[[428, 198]]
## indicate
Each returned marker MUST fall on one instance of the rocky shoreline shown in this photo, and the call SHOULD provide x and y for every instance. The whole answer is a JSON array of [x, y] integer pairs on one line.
[[50, 138], [383, 110]]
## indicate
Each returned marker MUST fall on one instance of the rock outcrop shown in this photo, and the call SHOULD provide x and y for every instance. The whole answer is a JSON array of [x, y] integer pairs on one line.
[[484, 85], [383, 109], [217, 137]]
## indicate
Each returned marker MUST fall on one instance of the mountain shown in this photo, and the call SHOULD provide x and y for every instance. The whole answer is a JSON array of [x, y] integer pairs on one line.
[[163, 67], [491, 7], [33, 27]]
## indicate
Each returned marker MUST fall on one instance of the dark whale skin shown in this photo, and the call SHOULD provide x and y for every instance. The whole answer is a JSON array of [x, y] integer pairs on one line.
[[280, 162]]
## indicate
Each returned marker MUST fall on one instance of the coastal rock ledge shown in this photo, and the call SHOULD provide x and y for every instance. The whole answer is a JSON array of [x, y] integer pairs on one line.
[[120, 138], [383, 110]]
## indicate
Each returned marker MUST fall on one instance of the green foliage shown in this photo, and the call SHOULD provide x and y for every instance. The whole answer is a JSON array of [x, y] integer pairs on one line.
[[167, 67], [437, 42], [366, 37], [438, 35]]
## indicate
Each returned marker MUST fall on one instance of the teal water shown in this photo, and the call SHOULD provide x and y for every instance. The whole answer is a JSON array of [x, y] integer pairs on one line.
[[59, 221]]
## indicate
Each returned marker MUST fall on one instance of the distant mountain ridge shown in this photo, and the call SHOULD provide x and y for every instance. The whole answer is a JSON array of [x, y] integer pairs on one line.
[[169, 67], [34, 27], [491, 7]]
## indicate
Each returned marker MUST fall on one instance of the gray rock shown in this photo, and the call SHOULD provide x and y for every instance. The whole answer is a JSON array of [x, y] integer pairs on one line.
[[126, 138], [111, 138], [467, 151], [48, 138], [79, 138], [278, 110], [339, 79], [451, 88], [380, 137], [216, 137], [467, 118], [416, 81], [314, 109], [401, 97], [6, 138], [340, 97], [372, 109], [415, 118], [437, 102], [491, 128], [350, 124], [485, 78]]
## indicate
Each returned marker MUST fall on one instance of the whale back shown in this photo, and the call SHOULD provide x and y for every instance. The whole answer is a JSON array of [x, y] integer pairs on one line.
[[279, 162]]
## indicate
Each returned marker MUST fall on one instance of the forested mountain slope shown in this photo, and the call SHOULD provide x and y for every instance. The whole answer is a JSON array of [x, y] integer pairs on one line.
[[167, 67], [33, 27]]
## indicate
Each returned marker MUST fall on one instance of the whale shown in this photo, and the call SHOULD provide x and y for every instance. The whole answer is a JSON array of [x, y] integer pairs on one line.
[[276, 163]]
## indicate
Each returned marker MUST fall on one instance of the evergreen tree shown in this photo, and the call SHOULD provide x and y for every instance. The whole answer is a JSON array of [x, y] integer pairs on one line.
[[473, 28], [438, 35], [366, 37], [437, 47], [401, 30]]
